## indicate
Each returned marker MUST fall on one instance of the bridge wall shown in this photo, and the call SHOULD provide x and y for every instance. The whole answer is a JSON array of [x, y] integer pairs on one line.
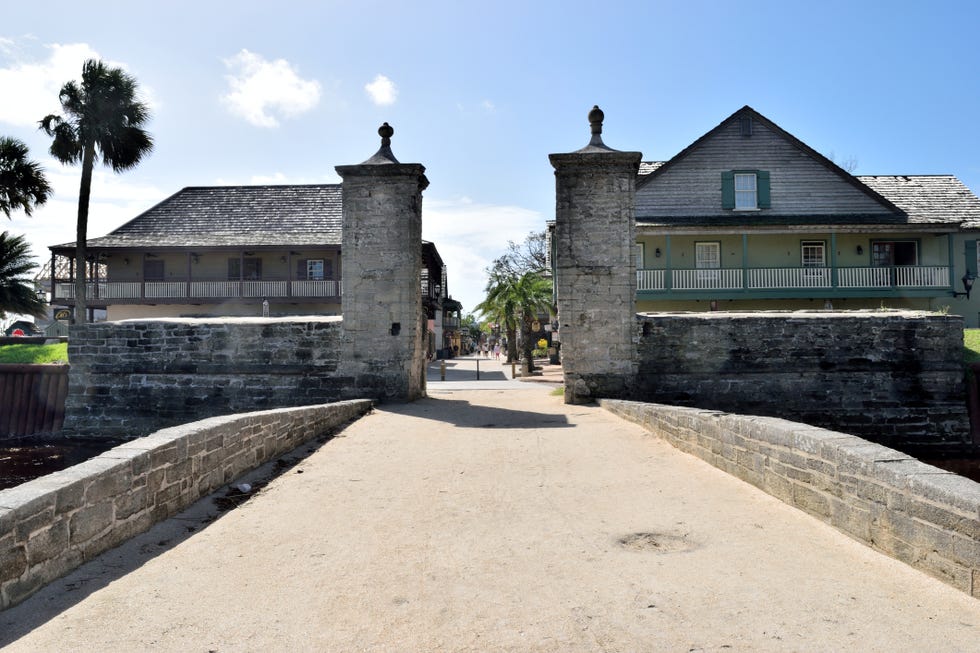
[[53, 524], [921, 515], [133, 377], [895, 377]]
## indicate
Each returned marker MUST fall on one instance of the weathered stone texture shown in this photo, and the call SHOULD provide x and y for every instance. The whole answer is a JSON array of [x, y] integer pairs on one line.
[[132, 377], [384, 325], [595, 272], [892, 377], [919, 514], [52, 524]]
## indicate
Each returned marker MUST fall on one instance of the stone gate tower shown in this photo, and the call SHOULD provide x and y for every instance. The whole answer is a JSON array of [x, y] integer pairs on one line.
[[595, 268], [382, 267]]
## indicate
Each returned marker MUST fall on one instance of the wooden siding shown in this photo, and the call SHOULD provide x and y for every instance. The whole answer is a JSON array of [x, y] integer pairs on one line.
[[32, 398], [800, 185]]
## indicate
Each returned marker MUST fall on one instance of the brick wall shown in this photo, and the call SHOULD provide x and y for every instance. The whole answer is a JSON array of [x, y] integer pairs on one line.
[[132, 377], [921, 515], [53, 524], [895, 377]]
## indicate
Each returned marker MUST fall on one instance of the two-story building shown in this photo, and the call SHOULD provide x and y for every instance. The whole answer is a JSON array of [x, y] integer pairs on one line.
[[748, 217], [232, 250]]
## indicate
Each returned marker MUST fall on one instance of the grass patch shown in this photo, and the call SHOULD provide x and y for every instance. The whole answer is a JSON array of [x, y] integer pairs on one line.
[[34, 354], [558, 392]]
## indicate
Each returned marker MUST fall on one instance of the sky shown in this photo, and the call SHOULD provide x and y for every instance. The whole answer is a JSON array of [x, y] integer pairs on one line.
[[480, 93]]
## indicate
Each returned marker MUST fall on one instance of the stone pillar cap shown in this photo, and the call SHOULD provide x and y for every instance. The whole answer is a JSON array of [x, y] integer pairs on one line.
[[384, 155]]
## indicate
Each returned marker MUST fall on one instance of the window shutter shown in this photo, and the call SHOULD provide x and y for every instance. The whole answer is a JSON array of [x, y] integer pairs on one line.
[[728, 190], [971, 257], [762, 187], [301, 268]]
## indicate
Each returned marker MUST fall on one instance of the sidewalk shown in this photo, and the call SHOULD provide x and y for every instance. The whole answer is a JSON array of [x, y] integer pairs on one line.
[[496, 520]]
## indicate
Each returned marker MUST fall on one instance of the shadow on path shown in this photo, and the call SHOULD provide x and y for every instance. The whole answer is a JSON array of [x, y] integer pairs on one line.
[[463, 414]]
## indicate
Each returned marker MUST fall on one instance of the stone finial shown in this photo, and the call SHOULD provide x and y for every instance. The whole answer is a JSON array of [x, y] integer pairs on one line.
[[596, 116], [384, 154]]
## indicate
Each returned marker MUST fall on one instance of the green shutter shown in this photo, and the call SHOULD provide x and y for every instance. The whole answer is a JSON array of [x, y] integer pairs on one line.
[[728, 190], [762, 187], [971, 258]]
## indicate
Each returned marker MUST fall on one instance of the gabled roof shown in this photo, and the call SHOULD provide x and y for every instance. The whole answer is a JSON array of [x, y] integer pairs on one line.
[[656, 170], [927, 199], [234, 216]]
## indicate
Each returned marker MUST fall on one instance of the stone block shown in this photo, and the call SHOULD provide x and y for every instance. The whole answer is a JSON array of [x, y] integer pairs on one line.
[[89, 522]]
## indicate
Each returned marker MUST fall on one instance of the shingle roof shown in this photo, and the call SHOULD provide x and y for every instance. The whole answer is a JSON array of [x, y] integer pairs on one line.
[[646, 167], [927, 199], [234, 216]]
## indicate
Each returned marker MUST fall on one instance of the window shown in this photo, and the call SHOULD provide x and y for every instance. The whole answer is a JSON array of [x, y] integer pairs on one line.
[[314, 269], [745, 190], [253, 269], [813, 254], [895, 252], [152, 270], [707, 258]]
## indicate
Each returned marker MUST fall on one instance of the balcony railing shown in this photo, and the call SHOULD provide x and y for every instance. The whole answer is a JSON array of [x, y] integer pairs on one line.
[[865, 278], [136, 291]]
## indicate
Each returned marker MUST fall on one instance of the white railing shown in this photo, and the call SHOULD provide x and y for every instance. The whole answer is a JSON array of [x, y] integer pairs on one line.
[[936, 276], [206, 289], [650, 280], [202, 289], [165, 289], [865, 278], [325, 288], [717, 279], [763, 278]]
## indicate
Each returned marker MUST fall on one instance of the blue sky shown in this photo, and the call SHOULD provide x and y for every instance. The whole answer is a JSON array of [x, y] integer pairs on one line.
[[481, 93]]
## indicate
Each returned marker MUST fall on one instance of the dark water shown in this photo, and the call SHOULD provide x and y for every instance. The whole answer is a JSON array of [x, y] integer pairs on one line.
[[968, 467], [28, 458]]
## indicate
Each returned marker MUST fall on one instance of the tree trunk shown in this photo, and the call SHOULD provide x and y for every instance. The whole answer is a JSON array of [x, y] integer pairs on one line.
[[511, 344], [527, 346], [81, 228]]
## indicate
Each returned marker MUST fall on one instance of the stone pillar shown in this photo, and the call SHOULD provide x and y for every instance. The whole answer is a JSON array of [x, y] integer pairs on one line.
[[384, 327], [595, 268]]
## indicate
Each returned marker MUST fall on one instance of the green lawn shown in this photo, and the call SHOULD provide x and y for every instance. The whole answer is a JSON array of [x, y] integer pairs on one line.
[[971, 345], [20, 354]]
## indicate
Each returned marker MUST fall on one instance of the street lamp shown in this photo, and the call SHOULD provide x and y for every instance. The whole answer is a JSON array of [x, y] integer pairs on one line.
[[967, 280]]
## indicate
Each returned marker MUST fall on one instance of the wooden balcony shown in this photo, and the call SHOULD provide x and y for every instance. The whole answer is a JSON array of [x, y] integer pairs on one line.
[[199, 291], [923, 281]]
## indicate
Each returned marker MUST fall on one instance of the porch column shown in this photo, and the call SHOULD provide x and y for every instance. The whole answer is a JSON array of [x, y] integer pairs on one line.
[[187, 291], [745, 261], [952, 261], [595, 269], [833, 259], [668, 271]]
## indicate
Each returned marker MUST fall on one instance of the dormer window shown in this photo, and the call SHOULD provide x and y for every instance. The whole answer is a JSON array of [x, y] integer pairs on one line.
[[745, 190]]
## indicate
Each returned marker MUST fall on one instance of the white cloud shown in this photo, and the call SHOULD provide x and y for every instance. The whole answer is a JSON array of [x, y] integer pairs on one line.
[[35, 85], [469, 236], [382, 91], [488, 106], [263, 91]]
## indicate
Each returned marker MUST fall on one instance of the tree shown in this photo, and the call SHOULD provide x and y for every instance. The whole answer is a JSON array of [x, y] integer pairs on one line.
[[531, 255], [22, 182], [103, 118], [515, 302], [17, 294]]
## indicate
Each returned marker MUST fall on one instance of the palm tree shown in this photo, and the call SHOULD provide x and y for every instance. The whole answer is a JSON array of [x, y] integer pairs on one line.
[[102, 118], [17, 294], [22, 182], [516, 301]]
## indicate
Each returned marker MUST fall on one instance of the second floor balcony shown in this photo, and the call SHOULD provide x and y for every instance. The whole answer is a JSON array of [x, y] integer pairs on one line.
[[911, 280], [199, 291]]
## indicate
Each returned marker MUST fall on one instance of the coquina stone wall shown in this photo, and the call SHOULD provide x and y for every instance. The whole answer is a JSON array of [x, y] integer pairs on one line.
[[921, 515], [53, 524], [132, 377], [895, 377]]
